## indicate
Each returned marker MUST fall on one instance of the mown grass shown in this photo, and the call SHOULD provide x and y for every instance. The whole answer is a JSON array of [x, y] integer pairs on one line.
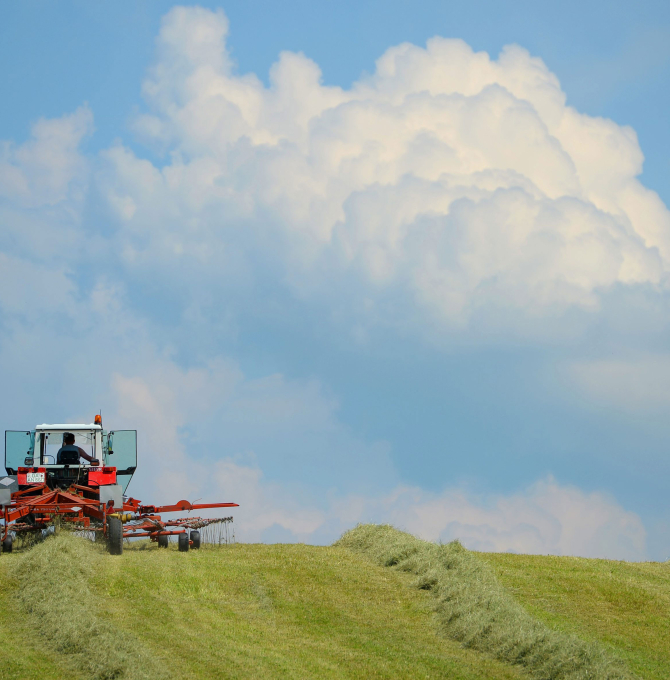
[[281, 611], [624, 605], [241, 611], [473, 608], [69, 610], [23, 654], [64, 613]]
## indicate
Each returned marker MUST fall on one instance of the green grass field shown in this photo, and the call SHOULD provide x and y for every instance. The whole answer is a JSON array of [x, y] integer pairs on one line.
[[296, 611], [624, 605], [22, 656]]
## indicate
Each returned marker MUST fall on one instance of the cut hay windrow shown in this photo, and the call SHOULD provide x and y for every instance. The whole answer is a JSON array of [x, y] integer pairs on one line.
[[55, 594], [473, 608]]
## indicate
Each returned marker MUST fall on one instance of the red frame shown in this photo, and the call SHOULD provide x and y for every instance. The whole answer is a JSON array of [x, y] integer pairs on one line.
[[80, 504], [22, 472], [101, 476]]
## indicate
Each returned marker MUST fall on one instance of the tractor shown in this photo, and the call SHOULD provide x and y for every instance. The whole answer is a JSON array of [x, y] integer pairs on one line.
[[48, 483]]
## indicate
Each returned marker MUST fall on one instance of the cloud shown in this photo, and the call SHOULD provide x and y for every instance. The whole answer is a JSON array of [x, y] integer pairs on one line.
[[446, 193], [42, 170], [637, 385], [462, 185], [546, 518], [43, 187], [286, 429]]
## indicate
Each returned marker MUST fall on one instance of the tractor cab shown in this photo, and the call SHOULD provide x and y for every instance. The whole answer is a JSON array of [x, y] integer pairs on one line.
[[32, 457]]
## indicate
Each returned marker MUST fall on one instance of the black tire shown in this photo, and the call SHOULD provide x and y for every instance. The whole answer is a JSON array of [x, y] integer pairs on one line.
[[195, 539], [7, 544], [183, 542], [114, 536], [163, 541]]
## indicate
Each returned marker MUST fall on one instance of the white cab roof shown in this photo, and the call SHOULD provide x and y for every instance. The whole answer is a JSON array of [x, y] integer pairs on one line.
[[67, 428]]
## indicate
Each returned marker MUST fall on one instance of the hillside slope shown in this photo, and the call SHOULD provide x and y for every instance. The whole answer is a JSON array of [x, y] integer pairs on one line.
[[624, 605], [23, 657], [241, 611], [474, 608], [268, 611]]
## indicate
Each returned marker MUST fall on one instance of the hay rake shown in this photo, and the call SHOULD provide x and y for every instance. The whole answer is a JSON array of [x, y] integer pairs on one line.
[[90, 497]]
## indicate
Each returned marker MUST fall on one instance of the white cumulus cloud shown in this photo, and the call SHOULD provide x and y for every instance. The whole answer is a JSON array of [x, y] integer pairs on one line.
[[546, 518], [447, 190], [41, 171], [461, 183]]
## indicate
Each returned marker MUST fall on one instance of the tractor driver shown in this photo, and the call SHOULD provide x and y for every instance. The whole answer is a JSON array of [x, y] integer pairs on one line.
[[69, 453]]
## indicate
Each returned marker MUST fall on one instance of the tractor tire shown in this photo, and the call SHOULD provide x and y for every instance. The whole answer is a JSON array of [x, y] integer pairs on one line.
[[183, 542], [114, 536], [7, 544], [163, 541], [195, 539]]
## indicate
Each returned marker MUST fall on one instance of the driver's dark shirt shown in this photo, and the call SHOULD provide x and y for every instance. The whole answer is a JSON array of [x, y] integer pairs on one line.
[[69, 448]]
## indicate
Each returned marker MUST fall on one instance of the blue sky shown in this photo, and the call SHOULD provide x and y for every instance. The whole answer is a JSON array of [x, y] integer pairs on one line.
[[351, 301]]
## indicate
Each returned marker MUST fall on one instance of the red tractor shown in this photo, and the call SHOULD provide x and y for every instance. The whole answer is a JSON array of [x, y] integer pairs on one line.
[[48, 482]]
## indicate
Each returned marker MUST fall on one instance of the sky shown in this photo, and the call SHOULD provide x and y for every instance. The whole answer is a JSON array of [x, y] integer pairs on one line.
[[348, 262]]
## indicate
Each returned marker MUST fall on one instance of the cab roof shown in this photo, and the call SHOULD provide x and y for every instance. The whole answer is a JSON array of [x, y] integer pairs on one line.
[[67, 428]]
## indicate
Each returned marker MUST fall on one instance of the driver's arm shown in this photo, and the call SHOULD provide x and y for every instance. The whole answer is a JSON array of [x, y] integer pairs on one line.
[[83, 454]]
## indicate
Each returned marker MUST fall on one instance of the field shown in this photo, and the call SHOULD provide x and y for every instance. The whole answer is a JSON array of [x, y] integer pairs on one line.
[[297, 611], [626, 606]]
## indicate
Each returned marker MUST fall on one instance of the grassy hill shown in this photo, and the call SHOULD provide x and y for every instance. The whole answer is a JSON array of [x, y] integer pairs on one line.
[[68, 610], [624, 605]]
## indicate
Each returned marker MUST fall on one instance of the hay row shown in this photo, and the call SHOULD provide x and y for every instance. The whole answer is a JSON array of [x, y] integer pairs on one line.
[[54, 591], [474, 609]]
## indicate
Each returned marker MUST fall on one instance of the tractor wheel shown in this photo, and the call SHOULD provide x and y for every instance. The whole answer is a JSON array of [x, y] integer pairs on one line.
[[7, 544], [195, 538], [183, 542], [163, 541], [114, 536]]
